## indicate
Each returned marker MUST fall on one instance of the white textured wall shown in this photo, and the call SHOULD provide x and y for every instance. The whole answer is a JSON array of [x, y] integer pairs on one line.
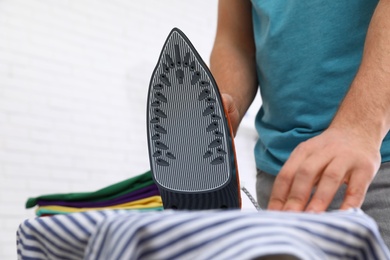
[[73, 86]]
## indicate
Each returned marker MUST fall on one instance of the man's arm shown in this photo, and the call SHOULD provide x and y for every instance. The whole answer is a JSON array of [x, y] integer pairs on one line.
[[233, 58], [348, 151]]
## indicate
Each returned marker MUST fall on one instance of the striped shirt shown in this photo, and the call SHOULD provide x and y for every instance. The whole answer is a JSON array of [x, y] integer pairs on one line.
[[201, 235]]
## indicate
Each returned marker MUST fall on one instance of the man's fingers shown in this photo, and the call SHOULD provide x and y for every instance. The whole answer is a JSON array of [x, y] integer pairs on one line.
[[232, 111], [330, 181], [305, 179], [280, 191], [285, 178], [228, 102], [356, 189], [229, 105]]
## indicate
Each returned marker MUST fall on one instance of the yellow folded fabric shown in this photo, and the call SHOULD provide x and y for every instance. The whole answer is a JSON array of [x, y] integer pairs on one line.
[[150, 202]]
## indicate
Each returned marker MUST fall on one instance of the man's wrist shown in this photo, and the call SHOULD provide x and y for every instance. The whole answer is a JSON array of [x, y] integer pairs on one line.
[[368, 131]]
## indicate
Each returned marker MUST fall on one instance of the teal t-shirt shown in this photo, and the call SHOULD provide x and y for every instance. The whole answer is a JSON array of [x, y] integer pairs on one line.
[[307, 54]]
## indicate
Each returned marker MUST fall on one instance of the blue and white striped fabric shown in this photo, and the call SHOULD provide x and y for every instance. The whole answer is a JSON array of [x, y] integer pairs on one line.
[[201, 235], [59, 237]]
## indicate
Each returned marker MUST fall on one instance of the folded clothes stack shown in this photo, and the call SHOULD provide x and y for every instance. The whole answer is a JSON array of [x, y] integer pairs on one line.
[[137, 193]]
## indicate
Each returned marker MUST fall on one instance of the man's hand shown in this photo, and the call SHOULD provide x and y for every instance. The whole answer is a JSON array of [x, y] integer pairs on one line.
[[324, 163], [232, 111]]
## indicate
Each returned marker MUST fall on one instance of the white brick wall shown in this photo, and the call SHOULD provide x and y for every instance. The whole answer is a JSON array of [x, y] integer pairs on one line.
[[73, 86]]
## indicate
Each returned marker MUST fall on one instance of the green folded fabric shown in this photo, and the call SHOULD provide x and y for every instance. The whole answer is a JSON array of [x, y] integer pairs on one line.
[[109, 192]]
